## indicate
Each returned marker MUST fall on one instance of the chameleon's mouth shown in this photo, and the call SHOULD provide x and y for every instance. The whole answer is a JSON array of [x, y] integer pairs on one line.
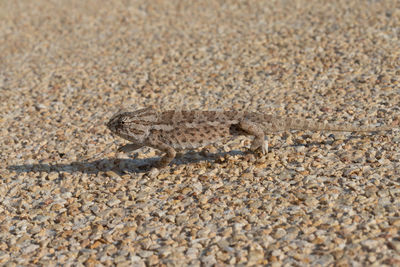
[[110, 126]]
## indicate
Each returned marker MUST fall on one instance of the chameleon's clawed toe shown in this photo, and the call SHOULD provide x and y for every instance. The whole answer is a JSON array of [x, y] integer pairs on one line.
[[259, 144]]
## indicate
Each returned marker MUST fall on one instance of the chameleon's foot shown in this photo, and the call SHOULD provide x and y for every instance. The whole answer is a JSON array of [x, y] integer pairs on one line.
[[146, 168], [153, 165], [170, 153], [260, 144], [160, 164], [265, 146], [163, 162], [260, 141]]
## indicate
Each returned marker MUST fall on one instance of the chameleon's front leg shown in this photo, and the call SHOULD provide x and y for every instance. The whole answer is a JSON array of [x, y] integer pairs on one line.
[[259, 142], [170, 152]]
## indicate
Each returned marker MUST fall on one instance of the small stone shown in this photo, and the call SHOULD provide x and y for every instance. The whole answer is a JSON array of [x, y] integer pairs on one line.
[[198, 187], [4, 257], [192, 253], [224, 245], [247, 176], [112, 174], [30, 248], [279, 233], [208, 260], [181, 219], [113, 202], [370, 244], [145, 253], [256, 256], [395, 221], [52, 176], [395, 245], [137, 261], [311, 202]]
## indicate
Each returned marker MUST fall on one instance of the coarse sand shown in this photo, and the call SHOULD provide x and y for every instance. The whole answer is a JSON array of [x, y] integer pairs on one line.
[[319, 199]]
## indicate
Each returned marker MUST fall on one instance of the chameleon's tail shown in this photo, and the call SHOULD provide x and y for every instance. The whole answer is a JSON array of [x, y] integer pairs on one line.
[[317, 126], [276, 124]]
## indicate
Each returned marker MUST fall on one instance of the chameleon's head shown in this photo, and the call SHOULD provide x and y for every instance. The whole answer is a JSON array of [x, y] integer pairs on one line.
[[133, 126]]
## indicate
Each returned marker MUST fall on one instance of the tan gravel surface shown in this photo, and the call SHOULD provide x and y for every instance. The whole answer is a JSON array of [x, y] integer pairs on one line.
[[316, 199]]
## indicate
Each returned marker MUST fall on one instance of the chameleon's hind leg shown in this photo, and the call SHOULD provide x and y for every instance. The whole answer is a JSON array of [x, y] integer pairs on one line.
[[260, 141]]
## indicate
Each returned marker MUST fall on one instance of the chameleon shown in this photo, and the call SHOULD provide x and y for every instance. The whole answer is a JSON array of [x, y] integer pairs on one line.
[[174, 130]]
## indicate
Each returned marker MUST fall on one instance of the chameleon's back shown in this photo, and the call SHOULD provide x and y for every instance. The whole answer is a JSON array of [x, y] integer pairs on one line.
[[193, 117]]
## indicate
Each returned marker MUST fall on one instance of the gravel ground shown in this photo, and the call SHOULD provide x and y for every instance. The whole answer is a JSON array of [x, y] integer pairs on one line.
[[316, 199]]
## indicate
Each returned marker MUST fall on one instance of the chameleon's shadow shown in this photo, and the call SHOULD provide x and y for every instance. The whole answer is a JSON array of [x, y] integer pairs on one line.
[[123, 166], [117, 165]]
